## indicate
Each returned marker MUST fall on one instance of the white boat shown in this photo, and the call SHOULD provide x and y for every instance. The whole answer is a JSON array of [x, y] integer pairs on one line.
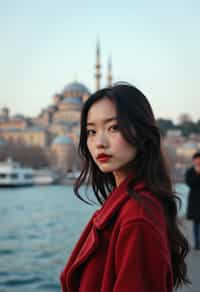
[[12, 174], [44, 177], [73, 174], [70, 177]]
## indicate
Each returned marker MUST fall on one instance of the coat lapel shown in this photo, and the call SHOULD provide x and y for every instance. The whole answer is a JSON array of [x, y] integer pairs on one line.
[[89, 240], [88, 247]]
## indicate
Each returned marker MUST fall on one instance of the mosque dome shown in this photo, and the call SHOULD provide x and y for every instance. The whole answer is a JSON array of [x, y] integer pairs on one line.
[[74, 100], [62, 140], [76, 87]]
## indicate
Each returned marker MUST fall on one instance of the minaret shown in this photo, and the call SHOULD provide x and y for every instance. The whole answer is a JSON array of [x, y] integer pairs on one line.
[[98, 66], [109, 76]]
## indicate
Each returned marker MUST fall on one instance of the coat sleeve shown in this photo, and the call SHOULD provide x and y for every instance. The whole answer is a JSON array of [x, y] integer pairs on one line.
[[140, 260], [191, 178]]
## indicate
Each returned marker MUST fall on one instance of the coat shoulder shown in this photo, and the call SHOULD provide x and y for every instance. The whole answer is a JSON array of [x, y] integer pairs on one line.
[[148, 209]]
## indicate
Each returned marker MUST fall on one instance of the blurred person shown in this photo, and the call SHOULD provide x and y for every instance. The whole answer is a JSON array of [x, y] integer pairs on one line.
[[133, 242], [192, 179]]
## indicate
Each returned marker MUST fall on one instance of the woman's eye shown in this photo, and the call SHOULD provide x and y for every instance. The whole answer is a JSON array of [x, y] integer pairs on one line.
[[114, 128], [90, 132]]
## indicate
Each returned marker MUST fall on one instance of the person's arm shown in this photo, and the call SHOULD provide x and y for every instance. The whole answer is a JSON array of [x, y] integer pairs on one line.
[[140, 261], [192, 178]]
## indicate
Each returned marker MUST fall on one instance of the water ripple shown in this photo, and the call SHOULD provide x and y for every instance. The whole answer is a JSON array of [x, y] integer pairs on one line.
[[21, 281]]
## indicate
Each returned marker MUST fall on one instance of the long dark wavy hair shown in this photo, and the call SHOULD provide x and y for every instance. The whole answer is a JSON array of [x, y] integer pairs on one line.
[[138, 126]]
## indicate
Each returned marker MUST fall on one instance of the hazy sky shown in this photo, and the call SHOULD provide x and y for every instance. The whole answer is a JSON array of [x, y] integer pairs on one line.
[[154, 44]]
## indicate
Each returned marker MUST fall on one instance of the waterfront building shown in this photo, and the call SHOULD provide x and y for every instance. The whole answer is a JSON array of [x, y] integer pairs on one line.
[[56, 128]]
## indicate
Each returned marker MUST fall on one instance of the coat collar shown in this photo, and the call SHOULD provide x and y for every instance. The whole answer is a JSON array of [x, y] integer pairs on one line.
[[114, 201]]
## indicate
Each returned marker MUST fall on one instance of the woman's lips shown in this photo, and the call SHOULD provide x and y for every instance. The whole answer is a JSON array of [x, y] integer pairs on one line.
[[103, 159]]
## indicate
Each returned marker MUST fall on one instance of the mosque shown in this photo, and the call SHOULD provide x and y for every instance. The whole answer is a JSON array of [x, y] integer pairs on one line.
[[56, 129]]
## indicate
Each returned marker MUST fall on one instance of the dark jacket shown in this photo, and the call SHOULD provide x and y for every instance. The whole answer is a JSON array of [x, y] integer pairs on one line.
[[122, 248], [193, 181]]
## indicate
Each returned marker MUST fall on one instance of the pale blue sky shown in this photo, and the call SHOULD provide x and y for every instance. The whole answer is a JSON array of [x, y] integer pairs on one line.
[[154, 45]]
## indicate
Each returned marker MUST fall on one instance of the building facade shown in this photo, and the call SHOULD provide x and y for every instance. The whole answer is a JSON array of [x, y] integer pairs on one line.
[[57, 127]]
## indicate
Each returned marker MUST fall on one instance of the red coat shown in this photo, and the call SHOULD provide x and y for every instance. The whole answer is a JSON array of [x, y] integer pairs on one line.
[[123, 248]]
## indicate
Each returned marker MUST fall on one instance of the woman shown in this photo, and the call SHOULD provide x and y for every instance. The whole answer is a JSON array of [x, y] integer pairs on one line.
[[132, 243]]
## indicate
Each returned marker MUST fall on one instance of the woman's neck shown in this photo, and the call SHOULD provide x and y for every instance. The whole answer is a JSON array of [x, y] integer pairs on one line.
[[121, 176]]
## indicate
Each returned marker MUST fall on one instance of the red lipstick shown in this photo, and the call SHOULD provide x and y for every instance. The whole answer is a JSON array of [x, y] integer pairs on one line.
[[102, 157]]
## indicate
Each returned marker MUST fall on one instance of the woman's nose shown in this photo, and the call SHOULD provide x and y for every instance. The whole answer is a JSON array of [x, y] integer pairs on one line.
[[101, 140]]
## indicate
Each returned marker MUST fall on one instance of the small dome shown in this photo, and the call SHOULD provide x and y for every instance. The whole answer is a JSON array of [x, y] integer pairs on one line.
[[74, 100], [2, 142], [76, 86], [62, 140], [5, 109], [189, 145]]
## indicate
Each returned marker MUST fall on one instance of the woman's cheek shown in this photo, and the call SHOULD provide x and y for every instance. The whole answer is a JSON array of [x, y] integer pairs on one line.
[[120, 143]]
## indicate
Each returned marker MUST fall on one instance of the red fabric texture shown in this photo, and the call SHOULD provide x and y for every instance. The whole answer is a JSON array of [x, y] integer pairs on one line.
[[123, 248]]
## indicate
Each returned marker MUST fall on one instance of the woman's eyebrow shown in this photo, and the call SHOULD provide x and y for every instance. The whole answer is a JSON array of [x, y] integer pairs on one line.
[[104, 121]]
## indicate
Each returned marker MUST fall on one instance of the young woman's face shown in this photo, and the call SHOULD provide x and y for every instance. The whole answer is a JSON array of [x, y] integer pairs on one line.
[[104, 137]]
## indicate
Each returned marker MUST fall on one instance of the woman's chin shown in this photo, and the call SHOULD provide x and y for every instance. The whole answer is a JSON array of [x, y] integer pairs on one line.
[[106, 169]]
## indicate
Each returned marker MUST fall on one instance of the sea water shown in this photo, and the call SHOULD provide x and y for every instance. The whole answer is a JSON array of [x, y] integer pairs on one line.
[[38, 229]]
